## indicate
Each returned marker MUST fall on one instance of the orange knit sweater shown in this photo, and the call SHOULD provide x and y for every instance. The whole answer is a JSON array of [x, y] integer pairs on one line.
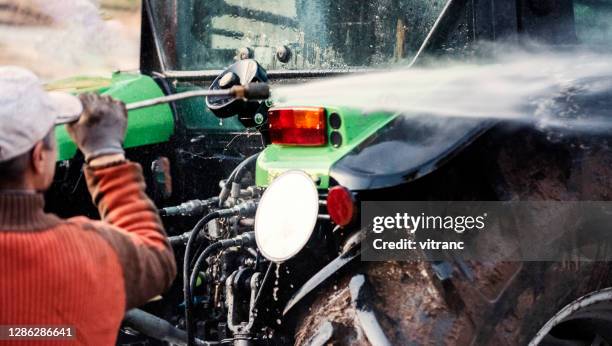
[[80, 272]]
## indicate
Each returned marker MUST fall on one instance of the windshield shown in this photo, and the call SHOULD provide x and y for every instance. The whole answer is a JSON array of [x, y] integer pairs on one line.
[[594, 23], [291, 34]]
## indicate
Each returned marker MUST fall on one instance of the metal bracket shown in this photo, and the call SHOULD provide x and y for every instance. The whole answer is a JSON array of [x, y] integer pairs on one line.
[[241, 328]]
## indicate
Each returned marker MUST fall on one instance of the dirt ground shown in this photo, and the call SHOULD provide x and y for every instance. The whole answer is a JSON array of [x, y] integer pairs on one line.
[[59, 39]]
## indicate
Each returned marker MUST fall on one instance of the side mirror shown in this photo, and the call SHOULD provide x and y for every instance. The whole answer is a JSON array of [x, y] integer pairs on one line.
[[242, 72]]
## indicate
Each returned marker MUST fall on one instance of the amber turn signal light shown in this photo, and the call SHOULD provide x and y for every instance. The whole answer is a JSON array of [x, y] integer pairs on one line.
[[301, 126]]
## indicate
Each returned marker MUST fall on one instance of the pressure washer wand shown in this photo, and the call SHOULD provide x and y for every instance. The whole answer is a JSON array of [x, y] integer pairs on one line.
[[251, 91]]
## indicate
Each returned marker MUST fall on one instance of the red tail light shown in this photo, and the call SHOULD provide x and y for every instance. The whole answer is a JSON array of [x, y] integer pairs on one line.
[[340, 205], [298, 126]]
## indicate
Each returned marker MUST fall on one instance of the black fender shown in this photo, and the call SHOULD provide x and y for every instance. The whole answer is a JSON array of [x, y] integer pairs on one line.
[[347, 256], [406, 149]]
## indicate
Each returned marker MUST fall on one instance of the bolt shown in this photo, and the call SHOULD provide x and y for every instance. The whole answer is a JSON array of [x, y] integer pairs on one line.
[[259, 118]]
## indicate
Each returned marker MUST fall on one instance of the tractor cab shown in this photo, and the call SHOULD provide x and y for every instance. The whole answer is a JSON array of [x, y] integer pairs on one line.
[[189, 44], [186, 45]]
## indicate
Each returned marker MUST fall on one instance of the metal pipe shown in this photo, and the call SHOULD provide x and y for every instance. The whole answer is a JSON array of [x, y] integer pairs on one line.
[[251, 91]]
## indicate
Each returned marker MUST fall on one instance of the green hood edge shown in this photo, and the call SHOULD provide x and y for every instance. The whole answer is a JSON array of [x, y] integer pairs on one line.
[[357, 126]]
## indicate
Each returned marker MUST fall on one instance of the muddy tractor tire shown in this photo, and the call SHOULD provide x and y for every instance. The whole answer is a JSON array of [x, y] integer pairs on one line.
[[480, 304], [485, 303]]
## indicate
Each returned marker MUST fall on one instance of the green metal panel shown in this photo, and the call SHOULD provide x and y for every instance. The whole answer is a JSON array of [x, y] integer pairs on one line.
[[145, 126], [317, 161]]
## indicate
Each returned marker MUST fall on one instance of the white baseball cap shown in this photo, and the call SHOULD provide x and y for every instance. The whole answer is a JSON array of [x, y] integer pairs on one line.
[[28, 112]]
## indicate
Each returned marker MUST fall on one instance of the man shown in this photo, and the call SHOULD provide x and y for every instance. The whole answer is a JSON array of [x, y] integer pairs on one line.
[[77, 273]]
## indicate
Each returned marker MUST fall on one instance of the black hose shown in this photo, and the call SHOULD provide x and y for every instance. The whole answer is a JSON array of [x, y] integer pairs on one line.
[[157, 328], [236, 175], [186, 289], [200, 248], [188, 298], [193, 207], [243, 239], [177, 240], [244, 209], [241, 169]]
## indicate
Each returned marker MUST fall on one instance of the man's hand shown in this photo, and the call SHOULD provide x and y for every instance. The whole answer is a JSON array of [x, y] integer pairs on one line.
[[101, 128]]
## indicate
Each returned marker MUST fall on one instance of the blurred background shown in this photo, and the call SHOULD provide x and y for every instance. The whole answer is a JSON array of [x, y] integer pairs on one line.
[[58, 39]]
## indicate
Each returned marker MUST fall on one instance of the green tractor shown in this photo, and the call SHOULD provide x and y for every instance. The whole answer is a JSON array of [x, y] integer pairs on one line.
[[262, 203]]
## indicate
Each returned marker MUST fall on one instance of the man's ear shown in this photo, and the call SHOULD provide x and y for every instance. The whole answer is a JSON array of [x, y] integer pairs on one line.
[[38, 158]]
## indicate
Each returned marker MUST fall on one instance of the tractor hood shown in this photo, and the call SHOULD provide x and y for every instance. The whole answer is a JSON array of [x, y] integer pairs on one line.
[[373, 150], [145, 126]]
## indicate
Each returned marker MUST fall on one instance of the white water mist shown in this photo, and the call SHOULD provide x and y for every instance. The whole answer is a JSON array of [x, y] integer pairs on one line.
[[557, 89], [78, 40]]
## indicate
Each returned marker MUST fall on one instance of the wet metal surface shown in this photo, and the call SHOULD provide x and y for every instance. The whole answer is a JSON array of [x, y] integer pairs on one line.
[[317, 279], [404, 150]]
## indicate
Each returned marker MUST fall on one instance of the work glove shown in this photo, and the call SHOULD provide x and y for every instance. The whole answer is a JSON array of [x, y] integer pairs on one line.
[[100, 129]]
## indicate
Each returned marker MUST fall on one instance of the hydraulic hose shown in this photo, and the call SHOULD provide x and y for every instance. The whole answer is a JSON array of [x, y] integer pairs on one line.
[[241, 169], [186, 289], [157, 328], [193, 207], [243, 239], [236, 175], [179, 239], [188, 299], [243, 209]]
